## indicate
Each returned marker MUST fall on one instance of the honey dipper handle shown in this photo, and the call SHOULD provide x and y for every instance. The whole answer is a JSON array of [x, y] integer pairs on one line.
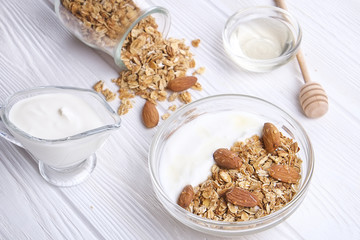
[[281, 4], [302, 64], [299, 55]]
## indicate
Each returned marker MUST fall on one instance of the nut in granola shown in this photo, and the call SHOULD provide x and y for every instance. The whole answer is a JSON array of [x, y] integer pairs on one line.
[[186, 196], [284, 173], [227, 159], [241, 197], [271, 137]]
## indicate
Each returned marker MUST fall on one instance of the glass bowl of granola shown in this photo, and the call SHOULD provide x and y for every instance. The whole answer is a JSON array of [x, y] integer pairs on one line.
[[231, 165]]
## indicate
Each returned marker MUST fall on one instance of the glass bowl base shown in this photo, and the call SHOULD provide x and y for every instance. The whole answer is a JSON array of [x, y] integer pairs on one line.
[[67, 177]]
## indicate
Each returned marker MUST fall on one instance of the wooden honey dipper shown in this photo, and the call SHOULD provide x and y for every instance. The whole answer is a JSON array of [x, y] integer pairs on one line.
[[313, 98]]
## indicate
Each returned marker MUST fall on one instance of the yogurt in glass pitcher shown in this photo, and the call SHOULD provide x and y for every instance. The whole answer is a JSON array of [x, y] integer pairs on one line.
[[61, 127]]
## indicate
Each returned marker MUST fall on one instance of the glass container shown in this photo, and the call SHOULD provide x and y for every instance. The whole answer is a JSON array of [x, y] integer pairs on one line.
[[66, 161], [216, 104], [105, 25], [261, 39]]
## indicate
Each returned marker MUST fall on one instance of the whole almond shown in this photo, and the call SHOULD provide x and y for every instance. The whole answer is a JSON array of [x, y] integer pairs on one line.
[[186, 196], [150, 115], [181, 83], [284, 173], [241, 197], [227, 159], [271, 137]]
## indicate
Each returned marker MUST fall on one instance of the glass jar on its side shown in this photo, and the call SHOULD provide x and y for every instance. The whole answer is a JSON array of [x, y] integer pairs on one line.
[[105, 24]]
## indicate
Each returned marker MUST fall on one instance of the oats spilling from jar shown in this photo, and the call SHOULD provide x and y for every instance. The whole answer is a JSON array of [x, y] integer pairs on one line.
[[152, 61], [247, 181]]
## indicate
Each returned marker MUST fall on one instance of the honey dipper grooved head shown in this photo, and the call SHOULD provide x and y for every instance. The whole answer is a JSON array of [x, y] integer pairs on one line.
[[313, 100]]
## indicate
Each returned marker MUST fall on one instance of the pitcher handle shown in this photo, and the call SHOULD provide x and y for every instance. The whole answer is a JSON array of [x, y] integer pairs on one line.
[[4, 133]]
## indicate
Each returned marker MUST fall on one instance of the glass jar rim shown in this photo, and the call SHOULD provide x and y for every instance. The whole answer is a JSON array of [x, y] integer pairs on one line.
[[294, 23]]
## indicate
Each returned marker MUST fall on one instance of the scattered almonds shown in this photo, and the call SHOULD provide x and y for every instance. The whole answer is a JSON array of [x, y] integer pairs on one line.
[[264, 182], [150, 115], [181, 83]]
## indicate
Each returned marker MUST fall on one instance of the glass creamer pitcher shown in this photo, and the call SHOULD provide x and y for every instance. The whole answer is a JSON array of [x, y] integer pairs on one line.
[[65, 161]]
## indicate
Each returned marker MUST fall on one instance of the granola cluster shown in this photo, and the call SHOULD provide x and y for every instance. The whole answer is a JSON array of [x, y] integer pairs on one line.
[[253, 176]]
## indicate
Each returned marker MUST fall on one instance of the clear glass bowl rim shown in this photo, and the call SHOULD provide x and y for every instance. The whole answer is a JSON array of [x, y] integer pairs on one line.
[[281, 58], [273, 217]]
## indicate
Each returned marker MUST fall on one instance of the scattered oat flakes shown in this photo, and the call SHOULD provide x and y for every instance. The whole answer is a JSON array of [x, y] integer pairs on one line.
[[125, 93], [172, 107], [109, 95], [199, 71], [195, 43], [173, 96], [151, 60], [185, 97], [192, 63], [98, 87], [165, 116], [197, 86], [125, 106]]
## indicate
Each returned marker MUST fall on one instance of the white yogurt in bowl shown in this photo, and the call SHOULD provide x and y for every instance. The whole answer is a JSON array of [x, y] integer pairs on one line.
[[54, 116], [61, 127], [188, 153], [182, 150]]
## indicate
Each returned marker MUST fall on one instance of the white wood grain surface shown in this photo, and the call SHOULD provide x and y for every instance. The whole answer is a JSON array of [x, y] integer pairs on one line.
[[117, 201]]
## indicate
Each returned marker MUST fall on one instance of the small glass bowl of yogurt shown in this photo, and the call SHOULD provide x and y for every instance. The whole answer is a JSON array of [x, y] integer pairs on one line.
[[181, 154], [260, 39], [61, 128]]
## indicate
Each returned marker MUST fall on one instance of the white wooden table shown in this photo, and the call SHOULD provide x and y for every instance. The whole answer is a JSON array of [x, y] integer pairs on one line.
[[118, 201]]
